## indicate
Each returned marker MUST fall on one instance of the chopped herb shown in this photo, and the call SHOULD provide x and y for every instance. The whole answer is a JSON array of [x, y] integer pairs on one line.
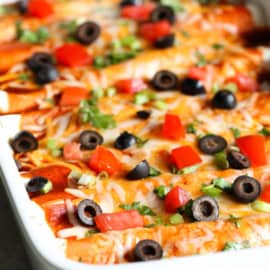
[[236, 132], [161, 191], [23, 77], [211, 190], [185, 170], [201, 59], [261, 206], [190, 128], [140, 142], [34, 37], [141, 208], [176, 219], [215, 88], [222, 184], [91, 232], [174, 4], [235, 220], [144, 96], [160, 105], [54, 149], [185, 33], [218, 46], [154, 172], [265, 132], [236, 245], [90, 113], [221, 161], [231, 87]]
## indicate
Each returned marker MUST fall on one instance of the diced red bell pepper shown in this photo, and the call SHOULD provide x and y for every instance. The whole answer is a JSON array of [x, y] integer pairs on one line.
[[185, 156], [40, 8], [57, 174], [138, 13], [152, 31], [172, 128], [204, 74], [72, 96], [175, 199], [72, 151], [119, 221], [73, 55], [244, 83], [104, 160], [265, 196], [253, 146], [130, 86]]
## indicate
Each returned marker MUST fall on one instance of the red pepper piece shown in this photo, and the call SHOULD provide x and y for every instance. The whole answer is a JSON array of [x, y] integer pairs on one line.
[[138, 13], [175, 199], [73, 55], [253, 146], [72, 151], [244, 83], [40, 8], [156, 30], [72, 96], [185, 156], [119, 221], [172, 128], [130, 86], [104, 160]]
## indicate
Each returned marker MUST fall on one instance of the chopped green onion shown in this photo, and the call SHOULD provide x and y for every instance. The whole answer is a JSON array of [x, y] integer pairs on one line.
[[74, 174], [111, 91], [131, 42], [86, 180], [98, 92], [265, 132], [187, 170], [160, 105], [142, 209], [236, 132], [201, 59], [154, 172], [174, 4], [53, 148], [218, 46], [235, 220], [144, 96], [231, 87], [47, 188], [161, 191], [261, 206], [140, 142], [23, 77], [190, 128], [176, 219], [236, 246], [221, 183], [221, 160], [185, 34], [91, 232], [215, 88], [211, 190]]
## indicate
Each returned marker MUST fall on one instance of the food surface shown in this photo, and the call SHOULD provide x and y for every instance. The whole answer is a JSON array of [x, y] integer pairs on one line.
[[144, 125]]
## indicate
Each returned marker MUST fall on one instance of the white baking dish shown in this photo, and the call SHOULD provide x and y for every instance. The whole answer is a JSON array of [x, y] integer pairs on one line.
[[44, 251]]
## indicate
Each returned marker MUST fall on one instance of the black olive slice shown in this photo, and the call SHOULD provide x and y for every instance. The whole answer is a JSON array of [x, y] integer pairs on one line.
[[144, 114], [87, 33], [205, 208], [140, 171], [237, 160], [87, 210], [224, 99], [165, 80], [212, 144], [165, 42], [192, 87], [246, 189], [163, 13], [24, 141], [22, 6], [125, 140], [90, 139], [38, 60], [147, 250], [45, 75], [39, 184]]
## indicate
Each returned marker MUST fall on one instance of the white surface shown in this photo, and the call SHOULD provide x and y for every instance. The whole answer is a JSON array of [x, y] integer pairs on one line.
[[44, 252]]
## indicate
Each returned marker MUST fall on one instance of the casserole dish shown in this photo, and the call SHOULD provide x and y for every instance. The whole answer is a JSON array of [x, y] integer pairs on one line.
[[51, 258]]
